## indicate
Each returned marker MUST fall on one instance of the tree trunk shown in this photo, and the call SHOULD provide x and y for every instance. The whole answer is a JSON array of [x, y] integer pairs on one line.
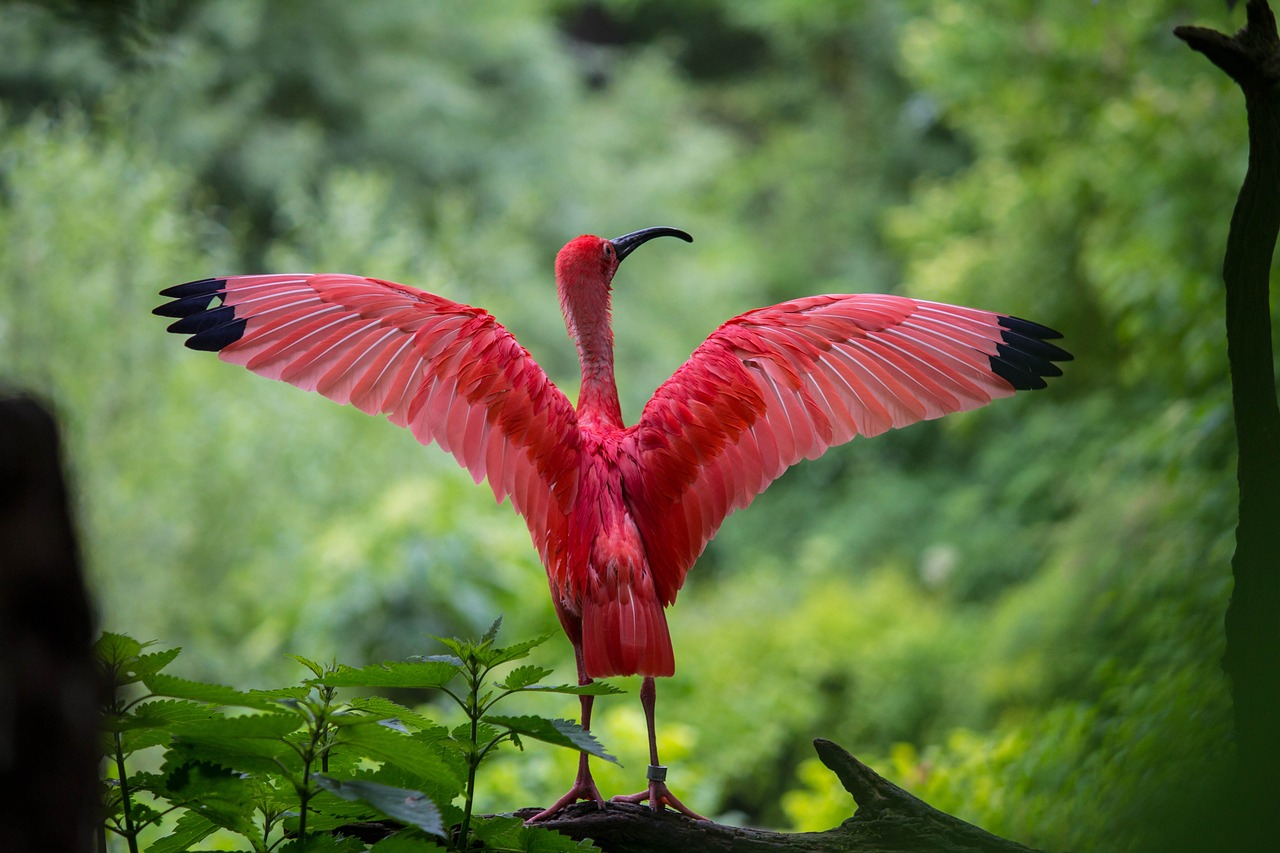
[[49, 686], [1252, 58]]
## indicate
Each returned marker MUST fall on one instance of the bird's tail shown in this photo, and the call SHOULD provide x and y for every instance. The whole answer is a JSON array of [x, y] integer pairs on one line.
[[626, 635]]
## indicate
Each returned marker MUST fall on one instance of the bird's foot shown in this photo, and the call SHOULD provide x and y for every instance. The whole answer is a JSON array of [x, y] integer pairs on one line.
[[583, 789], [658, 795]]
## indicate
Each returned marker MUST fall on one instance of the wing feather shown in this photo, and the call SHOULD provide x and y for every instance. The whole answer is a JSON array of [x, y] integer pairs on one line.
[[448, 372], [783, 383]]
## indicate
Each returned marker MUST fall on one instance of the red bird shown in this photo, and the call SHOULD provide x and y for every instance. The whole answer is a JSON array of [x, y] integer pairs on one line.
[[618, 513]]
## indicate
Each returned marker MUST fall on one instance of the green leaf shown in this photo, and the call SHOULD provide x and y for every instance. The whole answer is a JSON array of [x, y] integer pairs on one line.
[[248, 726], [462, 648], [523, 676], [415, 674], [150, 723], [421, 754], [453, 659], [145, 665], [595, 688], [510, 834], [497, 656], [317, 669], [404, 842], [221, 795], [559, 732], [198, 691], [492, 634], [114, 649], [407, 806], [144, 814], [261, 757], [383, 708], [274, 695], [189, 829]]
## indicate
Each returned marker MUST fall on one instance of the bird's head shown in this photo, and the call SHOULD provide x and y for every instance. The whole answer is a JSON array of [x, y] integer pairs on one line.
[[591, 260], [585, 268]]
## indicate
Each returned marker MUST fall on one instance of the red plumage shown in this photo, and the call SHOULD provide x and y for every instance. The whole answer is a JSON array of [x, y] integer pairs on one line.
[[618, 514]]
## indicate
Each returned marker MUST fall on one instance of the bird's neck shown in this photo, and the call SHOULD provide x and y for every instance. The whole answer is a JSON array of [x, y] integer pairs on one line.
[[598, 395], [587, 316]]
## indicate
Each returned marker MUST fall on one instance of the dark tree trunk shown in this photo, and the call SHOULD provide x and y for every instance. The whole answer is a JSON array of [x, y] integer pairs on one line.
[[1252, 59], [49, 689]]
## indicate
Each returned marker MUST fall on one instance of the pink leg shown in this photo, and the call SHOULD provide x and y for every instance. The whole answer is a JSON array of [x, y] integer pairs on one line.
[[584, 787], [657, 794]]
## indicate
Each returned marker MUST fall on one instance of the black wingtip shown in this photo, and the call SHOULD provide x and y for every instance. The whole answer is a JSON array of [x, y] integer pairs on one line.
[[200, 311], [205, 286], [1026, 357]]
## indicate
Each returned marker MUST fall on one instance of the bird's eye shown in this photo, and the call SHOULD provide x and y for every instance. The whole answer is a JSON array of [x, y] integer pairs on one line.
[[608, 249]]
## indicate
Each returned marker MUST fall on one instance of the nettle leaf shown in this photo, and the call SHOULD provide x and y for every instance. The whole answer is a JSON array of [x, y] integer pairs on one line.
[[403, 804], [559, 732], [115, 649], [274, 695], [414, 674], [452, 659], [383, 708], [144, 814], [151, 723], [327, 812], [320, 842], [145, 665], [166, 713], [420, 754], [595, 688], [510, 833], [191, 828], [492, 634], [317, 669], [224, 797], [460, 738], [155, 783], [397, 778], [198, 691], [404, 842], [246, 727], [261, 757], [461, 648], [523, 676], [496, 657]]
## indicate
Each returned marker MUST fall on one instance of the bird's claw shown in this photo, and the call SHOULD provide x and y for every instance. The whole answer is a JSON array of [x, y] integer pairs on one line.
[[659, 796], [580, 791]]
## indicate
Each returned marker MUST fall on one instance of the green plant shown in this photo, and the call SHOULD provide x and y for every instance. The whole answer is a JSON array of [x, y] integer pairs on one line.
[[295, 768]]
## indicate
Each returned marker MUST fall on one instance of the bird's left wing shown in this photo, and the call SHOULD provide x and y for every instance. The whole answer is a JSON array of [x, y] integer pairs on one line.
[[779, 384], [448, 372]]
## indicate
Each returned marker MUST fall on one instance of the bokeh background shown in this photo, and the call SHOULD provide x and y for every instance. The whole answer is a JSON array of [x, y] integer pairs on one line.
[[1014, 613]]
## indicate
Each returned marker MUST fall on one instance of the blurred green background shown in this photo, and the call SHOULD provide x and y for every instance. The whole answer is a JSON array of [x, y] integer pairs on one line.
[[1015, 613]]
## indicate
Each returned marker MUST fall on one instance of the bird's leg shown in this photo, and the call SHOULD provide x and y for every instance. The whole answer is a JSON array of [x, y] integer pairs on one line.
[[657, 794], [584, 787]]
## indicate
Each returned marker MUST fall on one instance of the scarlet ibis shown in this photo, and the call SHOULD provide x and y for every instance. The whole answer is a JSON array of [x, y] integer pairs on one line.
[[618, 513]]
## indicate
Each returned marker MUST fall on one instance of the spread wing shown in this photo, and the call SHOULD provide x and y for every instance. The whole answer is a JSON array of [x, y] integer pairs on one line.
[[448, 372], [784, 383]]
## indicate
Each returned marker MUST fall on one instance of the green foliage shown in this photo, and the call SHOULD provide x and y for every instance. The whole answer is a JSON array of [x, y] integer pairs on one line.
[[288, 768]]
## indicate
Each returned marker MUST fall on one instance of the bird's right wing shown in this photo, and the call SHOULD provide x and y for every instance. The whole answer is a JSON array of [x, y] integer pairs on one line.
[[779, 384], [448, 372]]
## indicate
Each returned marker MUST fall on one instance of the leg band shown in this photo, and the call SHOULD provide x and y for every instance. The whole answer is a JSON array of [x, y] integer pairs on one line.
[[657, 773]]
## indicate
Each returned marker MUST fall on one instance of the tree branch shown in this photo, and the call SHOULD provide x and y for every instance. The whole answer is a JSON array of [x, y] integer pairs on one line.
[[1251, 58], [888, 820]]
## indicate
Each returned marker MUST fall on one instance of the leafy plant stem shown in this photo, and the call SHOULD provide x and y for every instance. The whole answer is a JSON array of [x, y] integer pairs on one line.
[[318, 731], [131, 833], [474, 678]]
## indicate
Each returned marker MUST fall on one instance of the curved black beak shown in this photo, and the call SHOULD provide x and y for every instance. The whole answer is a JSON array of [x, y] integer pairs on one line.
[[627, 243]]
